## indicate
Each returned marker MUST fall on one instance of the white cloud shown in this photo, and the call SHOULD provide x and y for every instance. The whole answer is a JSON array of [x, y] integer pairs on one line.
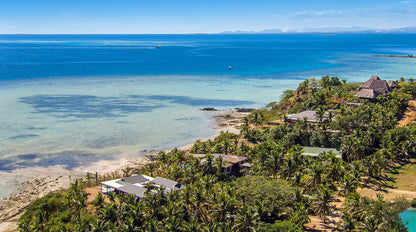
[[382, 17], [315, 14]]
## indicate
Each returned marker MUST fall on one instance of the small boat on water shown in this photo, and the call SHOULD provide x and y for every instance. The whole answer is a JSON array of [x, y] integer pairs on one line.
[[158, 46]]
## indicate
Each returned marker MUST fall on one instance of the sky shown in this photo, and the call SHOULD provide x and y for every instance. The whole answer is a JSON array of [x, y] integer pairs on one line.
[[198, 16]]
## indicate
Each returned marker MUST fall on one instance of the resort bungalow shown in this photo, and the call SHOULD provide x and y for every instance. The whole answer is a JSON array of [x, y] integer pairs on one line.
[[375, 87], [309, 115], [233, 164], [139, 184]]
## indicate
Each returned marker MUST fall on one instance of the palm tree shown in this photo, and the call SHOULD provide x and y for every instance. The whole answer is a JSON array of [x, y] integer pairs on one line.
[[316, 171], [208, 181], [126, 171], [198, 200], [275, 162], [191, 226], [152, 226], [370, 224], [40, 221], [223, 206], [320, 113], [245, 220], [209, 167], [173, 224], [323, 202], [348, 185], [348, 223], [300, 215], [98, 226]]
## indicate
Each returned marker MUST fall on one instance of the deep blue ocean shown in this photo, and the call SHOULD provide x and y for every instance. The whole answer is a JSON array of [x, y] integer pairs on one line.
[[38, 56], [68, 102]]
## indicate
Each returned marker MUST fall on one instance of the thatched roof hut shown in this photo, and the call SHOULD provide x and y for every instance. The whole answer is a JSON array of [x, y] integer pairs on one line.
[[374, 87]]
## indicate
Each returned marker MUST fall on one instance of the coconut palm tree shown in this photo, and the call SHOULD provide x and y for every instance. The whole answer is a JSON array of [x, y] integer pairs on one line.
[[371, 224], [316, 171], [246, 219], [299, 216], [322, 202], [348, 223]]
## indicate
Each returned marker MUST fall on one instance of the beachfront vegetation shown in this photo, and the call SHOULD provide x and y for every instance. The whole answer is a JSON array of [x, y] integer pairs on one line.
[[281, 191]]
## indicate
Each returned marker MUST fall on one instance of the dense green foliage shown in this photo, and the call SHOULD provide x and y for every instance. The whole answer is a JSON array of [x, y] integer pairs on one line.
[[283, 187]]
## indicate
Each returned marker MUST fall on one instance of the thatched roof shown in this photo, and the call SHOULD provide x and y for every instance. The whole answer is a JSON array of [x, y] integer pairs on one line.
[[380, 86], [367, 84], [393, 84], [367, 93]]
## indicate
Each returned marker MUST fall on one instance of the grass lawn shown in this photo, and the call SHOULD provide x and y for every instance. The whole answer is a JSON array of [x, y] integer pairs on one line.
[[405, 179]]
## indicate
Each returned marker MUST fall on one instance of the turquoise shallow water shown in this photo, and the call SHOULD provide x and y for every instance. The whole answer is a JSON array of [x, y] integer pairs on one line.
[[72, 100], [409, 218]]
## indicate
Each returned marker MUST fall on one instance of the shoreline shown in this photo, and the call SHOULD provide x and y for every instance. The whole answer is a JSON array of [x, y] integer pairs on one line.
[[54, 178]]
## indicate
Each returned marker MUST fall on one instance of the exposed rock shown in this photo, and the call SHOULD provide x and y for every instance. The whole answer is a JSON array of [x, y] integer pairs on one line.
[[209, 109], [244, 110]]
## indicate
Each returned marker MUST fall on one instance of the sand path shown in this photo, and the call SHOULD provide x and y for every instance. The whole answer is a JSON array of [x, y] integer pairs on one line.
[[410, 114]]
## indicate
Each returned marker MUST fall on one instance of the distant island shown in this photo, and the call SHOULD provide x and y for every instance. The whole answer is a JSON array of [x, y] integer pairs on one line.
[[360, 30], [397, 56]]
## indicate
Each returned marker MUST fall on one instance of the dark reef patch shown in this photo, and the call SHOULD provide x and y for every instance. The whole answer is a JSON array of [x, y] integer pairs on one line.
[[187, 119], [23, 136], [87, 106], [35, 128], [28, 156], [200, 102], [68, 159]]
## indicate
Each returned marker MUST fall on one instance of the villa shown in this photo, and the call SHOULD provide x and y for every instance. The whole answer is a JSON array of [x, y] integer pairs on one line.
[[139, 184], [233, 164], [309, 115]]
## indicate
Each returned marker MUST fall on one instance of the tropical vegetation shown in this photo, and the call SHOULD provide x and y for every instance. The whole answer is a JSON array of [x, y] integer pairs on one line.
[[282, 189]]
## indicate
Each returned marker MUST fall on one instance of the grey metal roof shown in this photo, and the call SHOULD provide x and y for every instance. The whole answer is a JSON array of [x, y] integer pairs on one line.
[[310, 116], [132, 189], [163, 182], [132, 179]]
